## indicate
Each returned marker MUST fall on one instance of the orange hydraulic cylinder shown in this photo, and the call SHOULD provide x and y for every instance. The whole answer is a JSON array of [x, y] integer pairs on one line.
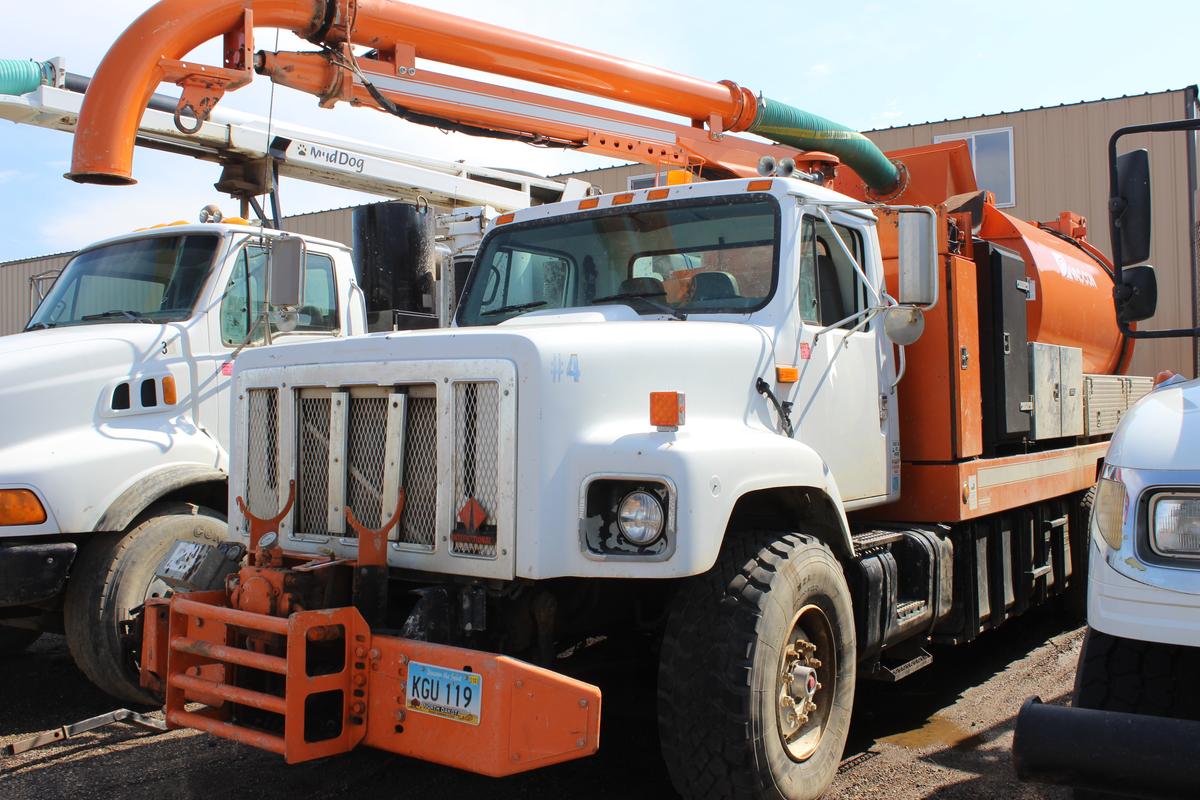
[[500, 51]]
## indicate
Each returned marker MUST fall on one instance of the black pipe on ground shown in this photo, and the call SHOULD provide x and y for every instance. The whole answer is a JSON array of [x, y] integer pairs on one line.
[[1136, 755]]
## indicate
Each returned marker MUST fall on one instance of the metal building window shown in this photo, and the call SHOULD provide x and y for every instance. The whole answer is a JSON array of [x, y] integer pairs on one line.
[[992, 157], [636, 182]]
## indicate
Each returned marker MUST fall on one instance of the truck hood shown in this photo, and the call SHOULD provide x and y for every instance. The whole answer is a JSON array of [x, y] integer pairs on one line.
[[1161, 431], [610, 355], [52, 379]]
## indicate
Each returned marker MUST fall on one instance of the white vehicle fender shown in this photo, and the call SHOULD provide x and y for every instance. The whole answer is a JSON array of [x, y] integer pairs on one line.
[[152, 486], [789, 477]]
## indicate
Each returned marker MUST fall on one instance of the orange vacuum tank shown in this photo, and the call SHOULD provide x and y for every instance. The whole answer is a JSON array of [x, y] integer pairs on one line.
[[1072, 303]]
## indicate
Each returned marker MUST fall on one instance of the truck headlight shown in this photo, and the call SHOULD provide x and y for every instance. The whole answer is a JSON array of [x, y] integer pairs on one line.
[[1175, 525], [640, 517], [1108, 512]]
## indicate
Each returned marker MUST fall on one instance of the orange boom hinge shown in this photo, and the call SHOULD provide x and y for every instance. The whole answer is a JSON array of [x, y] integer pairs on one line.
[[203, 86]]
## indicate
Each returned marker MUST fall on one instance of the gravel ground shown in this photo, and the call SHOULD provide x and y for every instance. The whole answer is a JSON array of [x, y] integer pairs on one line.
[[945, 732]]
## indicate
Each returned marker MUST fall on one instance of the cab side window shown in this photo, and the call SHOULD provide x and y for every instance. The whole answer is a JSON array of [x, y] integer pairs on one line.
[[318, 308], [244, 305], [830, 289]]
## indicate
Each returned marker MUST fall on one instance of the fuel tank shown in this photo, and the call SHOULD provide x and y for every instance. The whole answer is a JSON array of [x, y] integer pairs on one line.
[[1070, 301]]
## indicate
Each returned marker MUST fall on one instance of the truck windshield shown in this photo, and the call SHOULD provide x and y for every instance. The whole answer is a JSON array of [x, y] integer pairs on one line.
[[155, 279], [706, 256]]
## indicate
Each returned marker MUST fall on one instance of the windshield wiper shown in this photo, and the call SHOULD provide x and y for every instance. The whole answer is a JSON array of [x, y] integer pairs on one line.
[[38, 326], [131, 315], [645, 297], [514, 307]]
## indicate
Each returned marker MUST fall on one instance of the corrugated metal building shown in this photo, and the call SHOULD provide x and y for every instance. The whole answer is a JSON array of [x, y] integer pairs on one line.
[[1038, 162]]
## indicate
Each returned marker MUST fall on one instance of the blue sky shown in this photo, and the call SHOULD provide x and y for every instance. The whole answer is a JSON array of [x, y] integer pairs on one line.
[[864, 64]]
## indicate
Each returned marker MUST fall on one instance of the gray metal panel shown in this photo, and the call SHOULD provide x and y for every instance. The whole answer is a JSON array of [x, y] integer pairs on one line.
[[1044, 384], [1105, 398], [1137, 387], [1108, 397], [1070, 375]]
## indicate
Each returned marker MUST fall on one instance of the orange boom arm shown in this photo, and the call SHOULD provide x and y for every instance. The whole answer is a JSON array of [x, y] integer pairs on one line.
[[150, 50]]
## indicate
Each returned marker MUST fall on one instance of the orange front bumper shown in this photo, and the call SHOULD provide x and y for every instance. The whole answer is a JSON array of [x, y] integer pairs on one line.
[[319, 683]]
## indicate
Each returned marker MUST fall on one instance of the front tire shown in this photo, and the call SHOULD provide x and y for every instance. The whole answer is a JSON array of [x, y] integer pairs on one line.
[[756, 677], [113, 575]]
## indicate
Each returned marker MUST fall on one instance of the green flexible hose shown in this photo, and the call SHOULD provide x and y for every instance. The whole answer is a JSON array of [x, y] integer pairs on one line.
[[791, 126], [22, 77]]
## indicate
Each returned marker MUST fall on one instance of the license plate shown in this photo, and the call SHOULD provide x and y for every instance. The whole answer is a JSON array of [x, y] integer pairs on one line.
[[447, 693]]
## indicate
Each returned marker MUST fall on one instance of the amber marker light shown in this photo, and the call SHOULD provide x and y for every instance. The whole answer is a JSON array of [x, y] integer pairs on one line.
[[622, 199], [504, 219], [168, 390], [787, 374], [758, 186], [588, 202], [20, 507], [667, 410], [658, 194]]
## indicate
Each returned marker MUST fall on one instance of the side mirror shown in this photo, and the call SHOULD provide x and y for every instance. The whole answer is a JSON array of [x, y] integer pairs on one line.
[[1129, 210], [285, 271], [1137, 295], [917, 231], [904, 324]]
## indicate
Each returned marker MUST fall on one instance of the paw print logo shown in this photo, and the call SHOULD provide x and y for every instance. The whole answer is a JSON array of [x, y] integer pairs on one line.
[[302, 150]]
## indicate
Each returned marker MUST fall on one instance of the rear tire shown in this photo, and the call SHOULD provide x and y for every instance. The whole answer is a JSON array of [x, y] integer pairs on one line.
[[731, 724], [1075, 597], [112, 576], [14, 641]]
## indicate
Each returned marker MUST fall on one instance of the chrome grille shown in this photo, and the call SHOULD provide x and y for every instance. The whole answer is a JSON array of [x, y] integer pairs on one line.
[[418, 525], [312, 469], [476, 464], [262, 452], [359, 444], [365, 445]]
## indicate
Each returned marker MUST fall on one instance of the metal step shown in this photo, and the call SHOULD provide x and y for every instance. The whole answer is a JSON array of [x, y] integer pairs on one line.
[[895, 671], [870, 540]]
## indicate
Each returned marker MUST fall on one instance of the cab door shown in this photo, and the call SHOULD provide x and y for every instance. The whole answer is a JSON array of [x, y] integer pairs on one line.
[[244, 319], [840, 402]]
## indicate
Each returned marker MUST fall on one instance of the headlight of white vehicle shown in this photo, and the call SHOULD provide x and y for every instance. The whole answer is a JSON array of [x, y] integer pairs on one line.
[[1175, 525], [640, 517], [1108, 512]]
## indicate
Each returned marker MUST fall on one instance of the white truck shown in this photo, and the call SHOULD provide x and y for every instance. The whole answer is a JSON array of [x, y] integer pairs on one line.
[[1133, 728], [115, 398]]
